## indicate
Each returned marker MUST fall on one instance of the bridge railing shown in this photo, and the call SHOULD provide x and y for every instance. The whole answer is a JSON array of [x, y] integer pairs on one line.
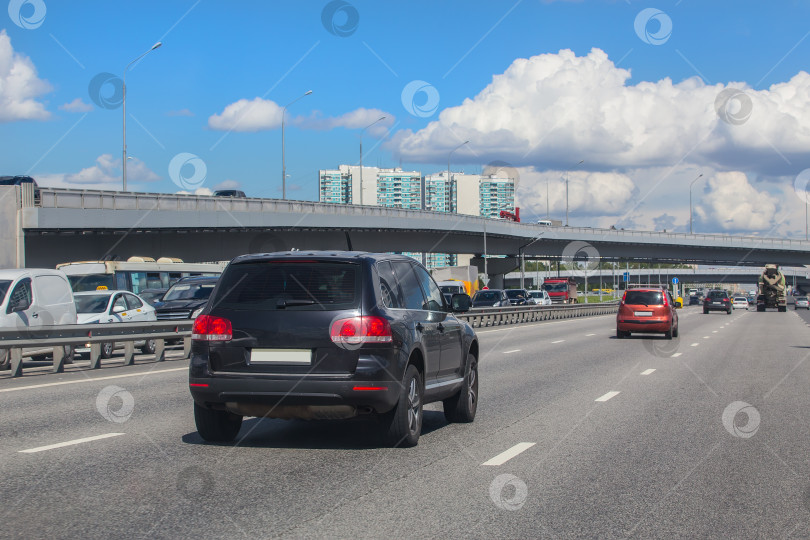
[[484, 317], [15, 342], [116, 200]]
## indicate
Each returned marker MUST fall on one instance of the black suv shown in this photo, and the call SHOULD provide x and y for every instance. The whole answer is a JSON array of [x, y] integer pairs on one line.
[[331, 335], [186, 298], [717, 301]]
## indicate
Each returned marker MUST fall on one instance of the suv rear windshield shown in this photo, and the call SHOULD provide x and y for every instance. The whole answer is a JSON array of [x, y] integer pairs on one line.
[[515, 293], [306, 285], [189, 291], [488, 296], [649, 298], [717, 294]]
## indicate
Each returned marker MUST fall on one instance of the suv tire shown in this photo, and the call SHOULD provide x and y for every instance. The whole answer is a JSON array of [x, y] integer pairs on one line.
[[461, 407], [728, 312], [148, 347], [107, 350], [216, 426], [705, 311], [403, 424]]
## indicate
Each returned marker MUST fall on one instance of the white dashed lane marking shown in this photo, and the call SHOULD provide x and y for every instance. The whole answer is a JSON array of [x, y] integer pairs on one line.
[[503, 457], [607, 396], [69, 443], [558, 341], [647, 371], [510, 352]]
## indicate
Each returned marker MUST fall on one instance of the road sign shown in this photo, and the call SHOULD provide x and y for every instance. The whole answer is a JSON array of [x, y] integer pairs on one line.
[[674, 281], [626, 276]]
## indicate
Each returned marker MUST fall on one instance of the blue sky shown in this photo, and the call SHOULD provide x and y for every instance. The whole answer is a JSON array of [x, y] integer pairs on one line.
[[213, 90]]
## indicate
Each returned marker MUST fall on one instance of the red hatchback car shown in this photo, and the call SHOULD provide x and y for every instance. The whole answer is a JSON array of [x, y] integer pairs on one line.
[[647, 310]]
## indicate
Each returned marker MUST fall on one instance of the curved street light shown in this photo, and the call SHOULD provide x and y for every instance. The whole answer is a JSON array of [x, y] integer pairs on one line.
[[581, 161], [361, 154], [690, 200], [283, 164], [124, 90], [448, 173]]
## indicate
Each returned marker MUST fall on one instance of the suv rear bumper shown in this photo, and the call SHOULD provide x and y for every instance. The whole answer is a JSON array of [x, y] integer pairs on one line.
[[716, 308], [276, 398]]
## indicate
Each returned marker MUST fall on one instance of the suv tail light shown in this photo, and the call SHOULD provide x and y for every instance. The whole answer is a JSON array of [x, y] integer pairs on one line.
[[357, 330], [210, 328], [624, 296]]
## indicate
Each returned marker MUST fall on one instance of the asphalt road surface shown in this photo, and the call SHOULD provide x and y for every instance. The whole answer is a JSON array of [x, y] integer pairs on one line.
[[578, 434]]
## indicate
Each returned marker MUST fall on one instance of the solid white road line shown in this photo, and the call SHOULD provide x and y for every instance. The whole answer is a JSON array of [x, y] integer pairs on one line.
[[647, 371], [510, 352], [503, 457], [558, 341], [94, 379], [607, 396], [676, 355], [69, 443]]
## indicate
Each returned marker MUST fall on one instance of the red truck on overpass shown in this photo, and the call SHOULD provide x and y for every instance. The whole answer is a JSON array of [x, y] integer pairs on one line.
[[561, 290]]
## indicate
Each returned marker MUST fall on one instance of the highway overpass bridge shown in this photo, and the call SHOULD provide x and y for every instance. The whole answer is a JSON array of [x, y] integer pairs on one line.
[[57, 225], [697, 277]]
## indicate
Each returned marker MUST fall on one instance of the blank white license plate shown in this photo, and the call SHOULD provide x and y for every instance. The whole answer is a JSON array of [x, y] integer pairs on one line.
[[717, 303], [642, 313], [297, 357]]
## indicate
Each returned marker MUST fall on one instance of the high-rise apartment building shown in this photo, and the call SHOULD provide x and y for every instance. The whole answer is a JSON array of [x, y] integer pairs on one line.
[[470, 194]]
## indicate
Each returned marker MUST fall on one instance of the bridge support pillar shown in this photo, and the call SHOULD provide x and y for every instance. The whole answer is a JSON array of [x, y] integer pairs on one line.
[[11, 236]]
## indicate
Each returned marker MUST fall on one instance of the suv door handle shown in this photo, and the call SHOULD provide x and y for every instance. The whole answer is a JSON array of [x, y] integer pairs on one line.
[[35, 315], [419, 327], [440, 327]]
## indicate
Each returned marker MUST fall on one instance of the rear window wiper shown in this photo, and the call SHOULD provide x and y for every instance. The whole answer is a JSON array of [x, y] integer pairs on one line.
[[281, 304]]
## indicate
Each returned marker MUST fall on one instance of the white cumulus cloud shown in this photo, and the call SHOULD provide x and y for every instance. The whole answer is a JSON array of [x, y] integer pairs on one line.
[[247, 115], [356, 119], [551, 110], [732, 204], [19, 85], [589, 193], [105, 174], [263, 114], [77, 105]]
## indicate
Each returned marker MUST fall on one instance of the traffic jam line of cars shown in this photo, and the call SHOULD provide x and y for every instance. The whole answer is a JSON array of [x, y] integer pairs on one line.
[[412, 419]]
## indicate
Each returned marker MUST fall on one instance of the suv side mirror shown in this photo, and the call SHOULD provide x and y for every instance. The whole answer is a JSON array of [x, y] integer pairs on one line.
[[460, 303]]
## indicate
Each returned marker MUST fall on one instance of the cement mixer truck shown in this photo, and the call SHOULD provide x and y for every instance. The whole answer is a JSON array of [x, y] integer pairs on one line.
[[771, 292]]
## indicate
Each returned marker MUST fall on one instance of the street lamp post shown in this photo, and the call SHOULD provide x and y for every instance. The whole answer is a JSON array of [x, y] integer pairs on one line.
[[690, 200], [361, 155], [581, 161], [124, 97], [448, 172], [283, 163]]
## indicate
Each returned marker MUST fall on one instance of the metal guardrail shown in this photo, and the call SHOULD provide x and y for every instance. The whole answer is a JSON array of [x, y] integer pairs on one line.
[[57, 337], [484, 317]]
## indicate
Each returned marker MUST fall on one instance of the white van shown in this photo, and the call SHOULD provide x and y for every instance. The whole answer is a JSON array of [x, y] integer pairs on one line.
[[544, 222], [32, 297]]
